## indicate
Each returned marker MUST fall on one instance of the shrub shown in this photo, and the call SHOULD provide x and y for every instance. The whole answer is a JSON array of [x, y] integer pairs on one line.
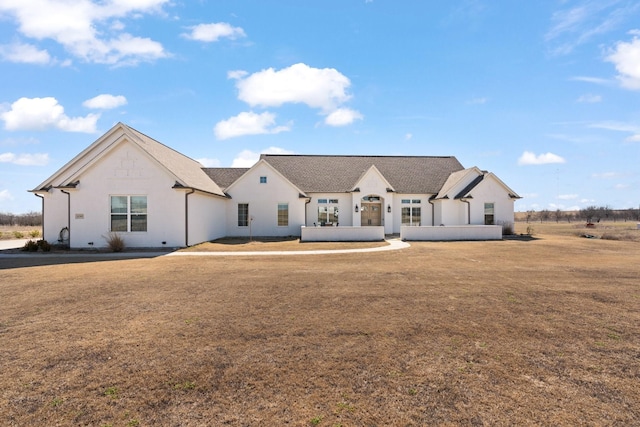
[[18, 234], [30, 246], [507, 228], [44, 245], [34, 233], [115, 242]]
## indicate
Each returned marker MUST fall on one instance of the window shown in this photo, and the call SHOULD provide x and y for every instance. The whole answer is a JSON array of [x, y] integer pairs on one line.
[[128, 213], [411, 215], [263, 180], [243, 214], [488, 214], [283, 214], [328, 212]]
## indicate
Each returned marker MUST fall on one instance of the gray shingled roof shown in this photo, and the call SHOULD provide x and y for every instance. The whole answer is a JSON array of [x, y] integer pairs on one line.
[[184, 168], [224, 177], [335, 174]]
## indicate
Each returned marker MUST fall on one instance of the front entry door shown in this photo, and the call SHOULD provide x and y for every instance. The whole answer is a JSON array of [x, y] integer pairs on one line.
[[371, 214]]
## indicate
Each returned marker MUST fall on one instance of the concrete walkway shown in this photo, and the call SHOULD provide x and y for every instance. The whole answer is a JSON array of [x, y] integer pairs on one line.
[[394, 244], [13, 244]]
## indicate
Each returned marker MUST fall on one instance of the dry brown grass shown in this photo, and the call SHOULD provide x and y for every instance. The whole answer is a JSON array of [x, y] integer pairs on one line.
[[8, 232], [540, 332], [627, 231], [230, 244]]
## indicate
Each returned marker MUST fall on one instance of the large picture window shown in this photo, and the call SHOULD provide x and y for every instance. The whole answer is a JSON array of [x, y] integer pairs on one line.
[[283, 214], [243, 214], [411, 212], [327, 211], [128, 213]]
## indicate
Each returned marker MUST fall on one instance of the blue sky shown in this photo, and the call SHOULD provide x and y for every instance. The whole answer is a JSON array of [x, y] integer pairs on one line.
[[545, 94]]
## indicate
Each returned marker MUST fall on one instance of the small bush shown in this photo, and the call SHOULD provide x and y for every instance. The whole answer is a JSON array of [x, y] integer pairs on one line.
[[115, 242], [507, 228], [44, 245], [30, 246], [34, 233], [18, 234]]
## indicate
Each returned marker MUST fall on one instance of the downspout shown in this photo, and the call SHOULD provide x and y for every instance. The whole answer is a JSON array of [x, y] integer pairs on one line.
[[186, 216], [468, 210], [305, 210], [68, 214], [42, 197], [433, 211]]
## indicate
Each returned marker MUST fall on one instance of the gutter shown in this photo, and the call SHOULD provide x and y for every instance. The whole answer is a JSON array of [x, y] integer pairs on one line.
[[68, 215], [468, 210], [186, 216], [433, 211], [42, 210]]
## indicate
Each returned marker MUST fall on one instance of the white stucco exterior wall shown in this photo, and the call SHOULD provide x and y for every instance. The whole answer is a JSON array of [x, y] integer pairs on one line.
[[55, 215], [125, 170], [263, 200], [207, 217], [491, 191], [345, 208]]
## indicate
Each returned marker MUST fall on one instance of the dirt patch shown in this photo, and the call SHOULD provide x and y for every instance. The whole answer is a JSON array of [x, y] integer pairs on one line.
[[542, 332]]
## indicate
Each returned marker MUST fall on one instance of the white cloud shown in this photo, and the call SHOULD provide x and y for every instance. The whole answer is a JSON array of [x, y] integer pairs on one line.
[[38, 159], [88, 29], [45, 113], [5, 196], [595, 80], [247, 158], [342, 117], [620, 127], [589, 99], [621, 186], [606, 175], [24, 53], [213, 32], [529, 158], [567, 196], [324, 88], [105, 102], [208, 163], [248, 123], [626, 58], [236, 74], [408, 136], [585, 20], [477, 101]]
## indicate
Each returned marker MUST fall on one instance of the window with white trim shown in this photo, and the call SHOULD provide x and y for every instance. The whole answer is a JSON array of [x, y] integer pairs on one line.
[[243, 214], [283, 214], [411, 212], [263, 180], [128, 213], [328, 211], [488, 214]]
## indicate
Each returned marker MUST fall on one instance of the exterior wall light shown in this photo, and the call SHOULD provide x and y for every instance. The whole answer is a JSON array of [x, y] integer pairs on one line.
[[389, 208], [356, 208]]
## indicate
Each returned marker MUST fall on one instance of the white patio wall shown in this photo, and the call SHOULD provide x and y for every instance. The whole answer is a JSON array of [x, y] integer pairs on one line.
[[454, 232], [341, 234]]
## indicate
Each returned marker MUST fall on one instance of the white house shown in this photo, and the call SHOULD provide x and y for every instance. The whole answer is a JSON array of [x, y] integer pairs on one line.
[[153, 196]]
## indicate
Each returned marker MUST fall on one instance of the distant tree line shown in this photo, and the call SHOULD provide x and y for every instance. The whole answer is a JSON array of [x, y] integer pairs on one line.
[[29, 219], [590, 214]]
